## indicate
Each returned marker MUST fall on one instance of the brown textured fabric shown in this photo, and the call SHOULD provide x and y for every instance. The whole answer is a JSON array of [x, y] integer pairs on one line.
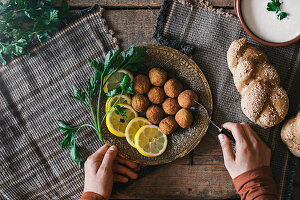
[[211, 33], [91, 196], [256, 184], [34, 94]]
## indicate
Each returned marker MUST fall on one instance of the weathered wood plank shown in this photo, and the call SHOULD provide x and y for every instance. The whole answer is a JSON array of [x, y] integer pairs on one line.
[[115, 3], [222, 3], [132, 26], [138, 3], [180, 182]]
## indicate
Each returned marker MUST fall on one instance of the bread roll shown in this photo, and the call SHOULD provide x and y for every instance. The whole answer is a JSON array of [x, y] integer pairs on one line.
[[263, 100], [290, 134]]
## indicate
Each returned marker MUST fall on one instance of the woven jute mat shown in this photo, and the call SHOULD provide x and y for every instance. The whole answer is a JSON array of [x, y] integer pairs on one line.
[[34, 94], [198, 29]]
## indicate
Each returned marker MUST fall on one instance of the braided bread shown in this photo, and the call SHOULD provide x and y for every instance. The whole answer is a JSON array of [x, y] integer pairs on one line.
[[263, 100], [290, 134]]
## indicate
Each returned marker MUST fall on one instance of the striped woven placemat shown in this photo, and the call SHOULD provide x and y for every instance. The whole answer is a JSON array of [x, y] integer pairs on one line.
[[34, 94], [207, 33]]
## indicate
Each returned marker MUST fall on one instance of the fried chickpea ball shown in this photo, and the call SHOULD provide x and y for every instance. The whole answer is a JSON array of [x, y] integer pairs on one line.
[[141, 84], [154, 114], [173, 87], [187, 98], [171, 106], [168, 125], [156, 95], [184, 118], [157, 76], [140, 102]]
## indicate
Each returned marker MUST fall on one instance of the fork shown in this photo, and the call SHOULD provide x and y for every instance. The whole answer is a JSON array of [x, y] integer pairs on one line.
[[220, 130]]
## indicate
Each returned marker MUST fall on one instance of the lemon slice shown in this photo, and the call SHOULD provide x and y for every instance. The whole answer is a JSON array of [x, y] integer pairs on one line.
[[115, 79], [116, 123], [150, 141], [133, 127], [124, 99]]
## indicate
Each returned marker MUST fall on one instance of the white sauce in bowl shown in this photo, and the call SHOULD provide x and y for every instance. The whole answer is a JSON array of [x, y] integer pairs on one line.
[[265, 24]]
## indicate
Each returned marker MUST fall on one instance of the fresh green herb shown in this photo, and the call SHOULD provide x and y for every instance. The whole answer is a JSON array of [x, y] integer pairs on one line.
[[125, 86], [70, 134], [274, 5], [120, 110], [114, 60], [23, 20], [282, 15], [78, 95]]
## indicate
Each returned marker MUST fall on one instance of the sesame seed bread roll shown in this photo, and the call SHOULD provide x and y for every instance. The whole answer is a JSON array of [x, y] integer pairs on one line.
[[263, 100], [290, 134]]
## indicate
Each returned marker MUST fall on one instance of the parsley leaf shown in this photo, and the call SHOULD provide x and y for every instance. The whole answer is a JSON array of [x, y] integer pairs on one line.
[[24, 20], [78, 95], [131, 59], [114, 92], [274, 5], [282, 15], [74, 154], [93, 85], [96, 65], [120, 110]]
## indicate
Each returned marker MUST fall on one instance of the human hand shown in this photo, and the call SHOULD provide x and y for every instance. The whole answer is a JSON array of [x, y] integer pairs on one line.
[[251, 151], [103, 168]]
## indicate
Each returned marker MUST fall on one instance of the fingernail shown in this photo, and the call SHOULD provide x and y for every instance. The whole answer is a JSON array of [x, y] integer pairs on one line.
[[221, 138], [113, 148]]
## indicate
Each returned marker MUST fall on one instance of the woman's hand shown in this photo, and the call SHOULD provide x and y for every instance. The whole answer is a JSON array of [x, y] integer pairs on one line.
[[251, 151], [103, 168]]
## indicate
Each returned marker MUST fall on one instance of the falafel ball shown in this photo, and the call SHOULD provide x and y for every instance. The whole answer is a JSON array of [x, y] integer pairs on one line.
[[141, 84], [156, 95], [140, 102], [187, 98], [157, 76], [154, 114], [171, 106], [168, 125], [184, 118], [173, 87]]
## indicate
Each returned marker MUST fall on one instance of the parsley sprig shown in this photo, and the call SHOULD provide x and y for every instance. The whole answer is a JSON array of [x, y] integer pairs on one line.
[[23, 20], [274, 5], [131, 59]]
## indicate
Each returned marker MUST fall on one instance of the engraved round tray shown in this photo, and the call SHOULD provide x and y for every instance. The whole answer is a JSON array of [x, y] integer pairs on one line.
[[182, 141]]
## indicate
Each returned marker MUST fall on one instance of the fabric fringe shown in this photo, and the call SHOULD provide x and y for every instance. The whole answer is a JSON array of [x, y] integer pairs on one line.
[[163, 13]]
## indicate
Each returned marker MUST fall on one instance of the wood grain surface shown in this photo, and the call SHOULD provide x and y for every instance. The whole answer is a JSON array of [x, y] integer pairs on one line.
[[207, 178], [133, 21], [137, 3]]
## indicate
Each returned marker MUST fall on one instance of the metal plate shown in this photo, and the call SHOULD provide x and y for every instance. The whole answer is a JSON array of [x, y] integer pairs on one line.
[[182, 141]]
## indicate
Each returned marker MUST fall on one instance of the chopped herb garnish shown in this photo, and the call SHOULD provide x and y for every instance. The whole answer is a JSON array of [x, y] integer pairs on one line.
[[274, 5]]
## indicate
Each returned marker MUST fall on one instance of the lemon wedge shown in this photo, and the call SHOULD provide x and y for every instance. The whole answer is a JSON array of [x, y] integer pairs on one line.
[[133, 127], [124, 99], [150, 141], [116, 123], [115, 79]]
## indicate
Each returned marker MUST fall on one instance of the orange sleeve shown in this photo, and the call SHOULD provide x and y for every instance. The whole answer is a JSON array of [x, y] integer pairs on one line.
[[256, 184], [91, 196]]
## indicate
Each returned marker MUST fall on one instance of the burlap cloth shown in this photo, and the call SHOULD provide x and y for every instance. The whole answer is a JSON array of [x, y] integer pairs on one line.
[[34, 94], [208, 33]]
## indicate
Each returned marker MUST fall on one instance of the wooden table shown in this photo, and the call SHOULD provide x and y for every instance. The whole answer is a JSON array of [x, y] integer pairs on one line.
[[133, 22]]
